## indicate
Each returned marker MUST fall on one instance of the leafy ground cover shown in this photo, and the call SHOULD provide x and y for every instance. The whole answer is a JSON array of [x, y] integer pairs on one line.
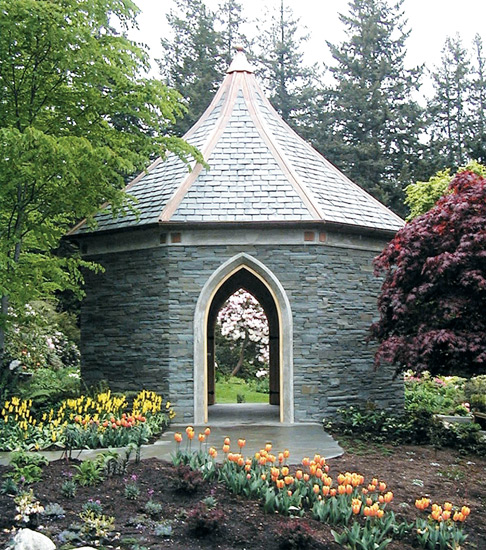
[[156, 504]]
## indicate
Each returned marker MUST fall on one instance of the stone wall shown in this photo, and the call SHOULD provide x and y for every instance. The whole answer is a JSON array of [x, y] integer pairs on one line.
[[137, 321]]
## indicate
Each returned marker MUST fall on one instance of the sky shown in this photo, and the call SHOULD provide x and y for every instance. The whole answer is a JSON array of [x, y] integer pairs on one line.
[[430, 22]]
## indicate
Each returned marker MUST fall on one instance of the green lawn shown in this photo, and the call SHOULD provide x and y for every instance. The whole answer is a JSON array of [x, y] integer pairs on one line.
[[227, 391]]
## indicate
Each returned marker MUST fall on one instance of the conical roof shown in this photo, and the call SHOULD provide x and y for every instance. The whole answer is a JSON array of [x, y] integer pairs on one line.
[[260, 171]]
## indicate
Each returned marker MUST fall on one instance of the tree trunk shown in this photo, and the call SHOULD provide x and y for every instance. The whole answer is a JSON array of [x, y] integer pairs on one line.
[[237, 369]]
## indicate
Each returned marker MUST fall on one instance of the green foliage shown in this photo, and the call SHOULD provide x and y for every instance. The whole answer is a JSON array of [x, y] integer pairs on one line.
[[418, 427], [131, 491], [89, 472], [94, 506], [69, 488], [475, 391], [443, 535], [376, 124], [192, 61], [435, 395], [9, 487], [26, 468], [292, 86], [422, 196], [163, 529], [76, 121], [153, 509], [369, 536]]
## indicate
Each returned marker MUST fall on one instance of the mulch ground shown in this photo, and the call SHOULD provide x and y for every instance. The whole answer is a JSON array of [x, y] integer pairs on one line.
[[409, 471]]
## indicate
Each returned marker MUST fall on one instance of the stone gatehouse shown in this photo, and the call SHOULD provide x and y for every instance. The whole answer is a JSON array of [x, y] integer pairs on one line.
[[272, 216]]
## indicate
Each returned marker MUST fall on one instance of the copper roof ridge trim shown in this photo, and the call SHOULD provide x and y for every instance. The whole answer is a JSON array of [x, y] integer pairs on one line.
[[135, 180], [234, 85], [328, 162], [299, 186]]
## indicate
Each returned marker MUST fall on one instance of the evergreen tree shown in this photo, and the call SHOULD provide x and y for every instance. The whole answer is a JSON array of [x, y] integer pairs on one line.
[[192, 61], [230, 18], [477, 145], [376, 124], [290, 84], [448, 109]]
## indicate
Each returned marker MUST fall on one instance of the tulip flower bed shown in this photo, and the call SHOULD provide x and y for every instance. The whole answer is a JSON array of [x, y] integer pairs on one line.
[[417, 497], [346, 501], [86, 422]]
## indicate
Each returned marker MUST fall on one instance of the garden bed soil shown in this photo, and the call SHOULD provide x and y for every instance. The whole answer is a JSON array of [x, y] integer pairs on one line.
[[409, 471]]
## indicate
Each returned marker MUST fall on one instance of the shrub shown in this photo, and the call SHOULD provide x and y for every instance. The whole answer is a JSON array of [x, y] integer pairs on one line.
[[69, 488], [153, 509], [295, 535], [188, 480], [203, 521]]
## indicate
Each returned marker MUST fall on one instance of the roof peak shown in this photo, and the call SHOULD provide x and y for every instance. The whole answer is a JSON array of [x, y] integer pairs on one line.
[[240, 63]]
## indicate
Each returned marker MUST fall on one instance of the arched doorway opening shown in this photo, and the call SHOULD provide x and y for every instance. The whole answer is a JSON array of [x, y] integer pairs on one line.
[[246, 280], [244, 271]]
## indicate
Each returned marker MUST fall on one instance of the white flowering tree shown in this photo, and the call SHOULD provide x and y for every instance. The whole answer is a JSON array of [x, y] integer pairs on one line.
[[243, 321]]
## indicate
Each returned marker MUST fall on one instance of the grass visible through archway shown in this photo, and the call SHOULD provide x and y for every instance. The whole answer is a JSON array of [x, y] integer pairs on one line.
[[228, 390]]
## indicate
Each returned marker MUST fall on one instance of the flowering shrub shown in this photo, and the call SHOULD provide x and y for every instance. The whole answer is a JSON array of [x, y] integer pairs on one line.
[[100, 421], [360, 508]]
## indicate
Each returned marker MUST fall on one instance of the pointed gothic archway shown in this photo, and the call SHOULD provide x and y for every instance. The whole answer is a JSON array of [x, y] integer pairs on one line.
[[243, 271]]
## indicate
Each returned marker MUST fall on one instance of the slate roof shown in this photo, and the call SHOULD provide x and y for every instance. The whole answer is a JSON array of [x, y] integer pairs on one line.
[[260, 171]]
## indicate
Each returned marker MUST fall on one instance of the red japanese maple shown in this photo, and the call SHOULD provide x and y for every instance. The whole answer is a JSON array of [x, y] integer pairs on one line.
[[433, 300]]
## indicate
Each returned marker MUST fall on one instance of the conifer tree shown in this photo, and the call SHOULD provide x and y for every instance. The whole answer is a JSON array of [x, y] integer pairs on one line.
[[477, 145], [289, 82], [196, 57], [192, 61], [376, 122], [448, 109]]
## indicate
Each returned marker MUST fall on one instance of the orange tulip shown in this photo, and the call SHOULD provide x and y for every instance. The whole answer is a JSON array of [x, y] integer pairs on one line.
[[264, 477], [285, 471], [332, 492], [299, 474], [213, 452], [280, 457], [319, 473], [178, 437], [226, 448], [465, 511], [306, 477], [305, 461], [268, 447], [207, 431], [190, 435], [286, 453], [459, 516], [241, 443], [356, 508], [289, 493], [280, 483], [388, 497], [325, 490], [288, 480], [189, 429], [380, 513], [316, 489], [201, 437], [241, 462], [227, 441], [446, 514], [447, 506], [341, 489], [382, 486]]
